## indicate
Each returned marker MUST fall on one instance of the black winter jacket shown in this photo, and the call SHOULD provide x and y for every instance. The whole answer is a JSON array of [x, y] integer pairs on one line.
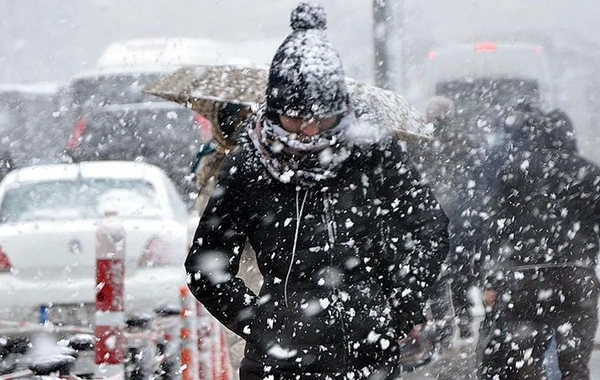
[[546, 213], [347, 263]]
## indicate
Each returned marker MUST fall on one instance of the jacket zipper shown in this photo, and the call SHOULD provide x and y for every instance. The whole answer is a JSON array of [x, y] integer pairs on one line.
[[337, 302]]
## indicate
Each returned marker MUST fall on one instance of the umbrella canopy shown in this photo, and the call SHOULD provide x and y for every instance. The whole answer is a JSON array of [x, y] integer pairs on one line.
[[208, 89]]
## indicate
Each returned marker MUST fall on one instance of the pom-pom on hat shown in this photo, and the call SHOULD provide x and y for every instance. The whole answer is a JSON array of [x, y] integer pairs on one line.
[[306, 78]]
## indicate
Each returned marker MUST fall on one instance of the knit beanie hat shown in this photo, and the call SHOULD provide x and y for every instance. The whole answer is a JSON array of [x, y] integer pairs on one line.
[[306, 78]]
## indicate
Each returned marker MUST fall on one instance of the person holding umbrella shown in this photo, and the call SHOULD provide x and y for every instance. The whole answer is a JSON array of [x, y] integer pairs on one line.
[[347, 238]]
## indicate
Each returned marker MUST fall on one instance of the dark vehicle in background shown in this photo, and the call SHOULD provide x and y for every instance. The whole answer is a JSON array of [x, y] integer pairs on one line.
[[160, 133], [485, 75], [488, 60], [111, 118], [30, 131], [89, 91], [479, 101], [484, 79]]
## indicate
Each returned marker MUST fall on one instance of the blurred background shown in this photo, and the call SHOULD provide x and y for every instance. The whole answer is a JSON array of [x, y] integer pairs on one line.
[[53, 41], [72, 74]]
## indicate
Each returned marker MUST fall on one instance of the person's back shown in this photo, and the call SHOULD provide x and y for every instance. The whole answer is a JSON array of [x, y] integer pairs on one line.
[[544, 234], [552, 208], [549, 196], [447, 162]]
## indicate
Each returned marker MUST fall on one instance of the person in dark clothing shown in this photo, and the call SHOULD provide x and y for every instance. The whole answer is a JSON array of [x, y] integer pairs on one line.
[[348, 239], [446, 163], [541, 280]]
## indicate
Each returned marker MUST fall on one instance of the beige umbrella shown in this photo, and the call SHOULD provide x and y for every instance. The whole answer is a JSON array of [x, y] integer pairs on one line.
[[206, 89]]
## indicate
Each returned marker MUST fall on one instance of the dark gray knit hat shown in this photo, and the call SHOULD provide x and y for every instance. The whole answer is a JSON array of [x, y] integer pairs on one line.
[[307, 79]]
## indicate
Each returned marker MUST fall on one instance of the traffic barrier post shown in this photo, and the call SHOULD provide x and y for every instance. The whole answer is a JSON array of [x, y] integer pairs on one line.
[[110, 305], [189, 336], [168, 323], [225, 362], [207, 355]]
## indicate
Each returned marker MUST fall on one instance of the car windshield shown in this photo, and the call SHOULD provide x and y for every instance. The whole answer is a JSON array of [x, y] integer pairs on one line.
[[121, 88], [153, 134], [81, 199]]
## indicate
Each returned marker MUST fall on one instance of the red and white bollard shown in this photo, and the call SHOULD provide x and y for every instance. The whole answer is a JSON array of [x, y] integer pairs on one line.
[[204, 352], [189, 336], [212, 346], [206, 349], [110, 300], [225, 362], [219, 352]]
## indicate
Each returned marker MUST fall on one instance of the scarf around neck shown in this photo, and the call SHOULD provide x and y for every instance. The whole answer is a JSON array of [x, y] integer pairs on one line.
[[306, 162]]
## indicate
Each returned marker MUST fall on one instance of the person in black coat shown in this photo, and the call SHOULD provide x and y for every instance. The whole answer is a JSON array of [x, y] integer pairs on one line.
[[543, 248], [447, 164], [347, 238]]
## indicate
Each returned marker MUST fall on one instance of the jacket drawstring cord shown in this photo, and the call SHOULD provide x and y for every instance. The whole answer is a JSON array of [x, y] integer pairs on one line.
[[329, 218], [299, 211]]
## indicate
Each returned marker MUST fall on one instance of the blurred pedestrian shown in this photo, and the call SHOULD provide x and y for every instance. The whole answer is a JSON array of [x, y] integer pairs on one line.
[[226, 118], [348, 240], [230, 118], [446, 163], [542, 253]]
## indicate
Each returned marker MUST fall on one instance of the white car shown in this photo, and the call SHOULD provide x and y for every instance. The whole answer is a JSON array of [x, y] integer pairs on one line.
[[48, 221], [172, 53]]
